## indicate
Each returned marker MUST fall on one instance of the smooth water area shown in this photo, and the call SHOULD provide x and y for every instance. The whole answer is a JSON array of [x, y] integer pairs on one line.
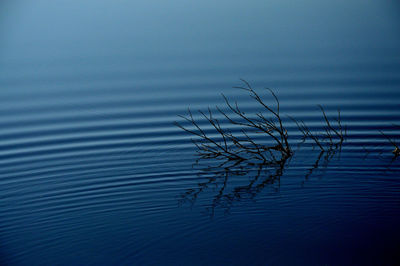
[[94, 172]]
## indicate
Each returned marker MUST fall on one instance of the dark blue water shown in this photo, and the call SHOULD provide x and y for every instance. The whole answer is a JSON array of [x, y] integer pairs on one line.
[[94, 172]]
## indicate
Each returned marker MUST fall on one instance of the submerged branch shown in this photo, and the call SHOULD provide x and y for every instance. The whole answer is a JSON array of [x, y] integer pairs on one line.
[[243, 146]]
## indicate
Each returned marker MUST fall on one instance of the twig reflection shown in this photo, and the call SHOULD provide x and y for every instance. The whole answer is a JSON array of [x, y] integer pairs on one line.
[[260, 176]]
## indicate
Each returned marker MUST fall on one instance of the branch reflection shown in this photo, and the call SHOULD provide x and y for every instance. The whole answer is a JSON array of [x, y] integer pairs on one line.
[[224, 195], [224, 184]]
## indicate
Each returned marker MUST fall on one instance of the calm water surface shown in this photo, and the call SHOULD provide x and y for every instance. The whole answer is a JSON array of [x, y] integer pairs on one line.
[[93, 171]]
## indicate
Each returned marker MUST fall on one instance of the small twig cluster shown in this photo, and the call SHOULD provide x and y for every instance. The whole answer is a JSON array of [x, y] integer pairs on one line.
[[396, 147], [331, 139]]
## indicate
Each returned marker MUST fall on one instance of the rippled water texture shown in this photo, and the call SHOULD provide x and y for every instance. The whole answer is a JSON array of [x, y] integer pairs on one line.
[[94, 172]]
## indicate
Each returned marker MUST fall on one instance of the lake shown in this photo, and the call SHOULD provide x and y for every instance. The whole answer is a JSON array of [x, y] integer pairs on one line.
[[93, 170]]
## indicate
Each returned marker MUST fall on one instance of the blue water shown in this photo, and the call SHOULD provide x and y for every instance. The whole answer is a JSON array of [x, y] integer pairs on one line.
[[94, 172]]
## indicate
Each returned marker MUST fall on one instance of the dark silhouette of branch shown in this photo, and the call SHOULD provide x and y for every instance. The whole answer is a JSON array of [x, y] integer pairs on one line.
[[241, 147]]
